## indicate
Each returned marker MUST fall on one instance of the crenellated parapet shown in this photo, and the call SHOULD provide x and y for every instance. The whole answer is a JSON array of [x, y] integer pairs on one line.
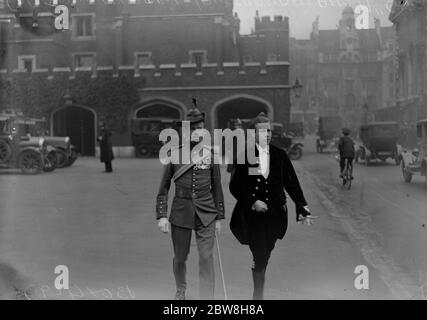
[[267, 23]]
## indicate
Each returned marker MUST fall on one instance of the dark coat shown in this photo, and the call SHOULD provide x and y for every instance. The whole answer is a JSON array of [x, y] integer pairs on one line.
[[346, 147], [198, 191], [106, 146], [247, 189]]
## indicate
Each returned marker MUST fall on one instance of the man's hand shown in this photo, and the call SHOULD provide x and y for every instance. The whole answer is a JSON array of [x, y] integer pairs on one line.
[[163, 225], [309, 219], [260, 206], [218, 226]]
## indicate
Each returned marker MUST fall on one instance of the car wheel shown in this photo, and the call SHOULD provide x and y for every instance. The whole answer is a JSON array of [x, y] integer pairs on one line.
[[73, 158], [296, 154], [62, 158], [30, 162], [50, 162], [143, 151], [407, 176], [5, 152]]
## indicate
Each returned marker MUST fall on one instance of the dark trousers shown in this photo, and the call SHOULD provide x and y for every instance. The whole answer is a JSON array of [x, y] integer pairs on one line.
[[261, 242], [342, 162], [108, 166], [205, 238]]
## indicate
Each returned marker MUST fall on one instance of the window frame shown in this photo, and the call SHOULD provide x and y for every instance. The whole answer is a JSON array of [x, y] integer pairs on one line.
[[140, 53], [74, 18], [77, 54], [21, 63]]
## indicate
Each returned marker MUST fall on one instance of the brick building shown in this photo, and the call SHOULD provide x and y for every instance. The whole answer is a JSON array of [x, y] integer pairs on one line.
[[126, 59], [409, 105], [348, 75]]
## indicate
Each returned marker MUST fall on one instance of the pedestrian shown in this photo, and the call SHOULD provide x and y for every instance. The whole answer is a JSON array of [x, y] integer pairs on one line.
[[198, 205], [259, 218], [106, 147], [238, 127]]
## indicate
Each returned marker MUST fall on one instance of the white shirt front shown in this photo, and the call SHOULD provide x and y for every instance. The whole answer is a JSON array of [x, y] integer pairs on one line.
[[264, 160]]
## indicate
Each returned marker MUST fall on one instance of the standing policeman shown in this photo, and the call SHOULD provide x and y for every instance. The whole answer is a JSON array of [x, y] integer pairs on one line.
[[198, 205], [106, 147]]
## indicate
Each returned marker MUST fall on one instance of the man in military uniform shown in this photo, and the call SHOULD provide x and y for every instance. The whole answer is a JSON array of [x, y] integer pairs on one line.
[[198, 205], [260, 215]]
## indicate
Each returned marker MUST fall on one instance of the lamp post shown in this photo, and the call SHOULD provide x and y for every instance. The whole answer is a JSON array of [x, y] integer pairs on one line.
[[297, 89]]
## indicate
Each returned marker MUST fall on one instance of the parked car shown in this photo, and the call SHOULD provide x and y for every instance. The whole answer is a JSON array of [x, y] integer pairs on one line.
[[378, 142], [415, 161], [297, 129], [329, 131], [280, 139], [145, 135], [28, 155], [65, 153]]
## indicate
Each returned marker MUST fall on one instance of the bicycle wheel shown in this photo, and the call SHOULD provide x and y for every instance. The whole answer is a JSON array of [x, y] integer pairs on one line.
[[348, 184], [349, 174]]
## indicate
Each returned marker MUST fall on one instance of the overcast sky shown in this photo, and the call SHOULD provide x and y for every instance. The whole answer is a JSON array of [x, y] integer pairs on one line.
[[302, 13]]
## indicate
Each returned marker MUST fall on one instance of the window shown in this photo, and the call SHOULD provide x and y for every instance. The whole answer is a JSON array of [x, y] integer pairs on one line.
[[198, 58], [84, 60], [83, 26], [27, 63], [247, 58], [143, 58], [272, 57]]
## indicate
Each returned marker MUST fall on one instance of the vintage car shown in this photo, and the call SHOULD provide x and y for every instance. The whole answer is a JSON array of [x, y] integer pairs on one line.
[[145, 135], [31, 127], [28, 155], [415, 162], [378, 142], [280, 139], [329, 132]]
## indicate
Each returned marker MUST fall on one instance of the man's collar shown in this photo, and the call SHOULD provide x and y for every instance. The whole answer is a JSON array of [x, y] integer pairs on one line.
[[267, 148]]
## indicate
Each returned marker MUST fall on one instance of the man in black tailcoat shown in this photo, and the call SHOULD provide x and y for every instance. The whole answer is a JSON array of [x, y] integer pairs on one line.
[[260, 216]]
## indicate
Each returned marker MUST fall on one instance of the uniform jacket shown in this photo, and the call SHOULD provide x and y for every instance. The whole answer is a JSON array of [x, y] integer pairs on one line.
[[106, 146], [198, 191], [247, 189]]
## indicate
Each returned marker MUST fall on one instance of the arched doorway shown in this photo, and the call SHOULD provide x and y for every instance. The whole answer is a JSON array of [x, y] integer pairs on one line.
[[241, 106], [78, 123]]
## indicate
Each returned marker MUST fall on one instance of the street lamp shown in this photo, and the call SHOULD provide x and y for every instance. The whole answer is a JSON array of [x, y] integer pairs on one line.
[[297, 88]]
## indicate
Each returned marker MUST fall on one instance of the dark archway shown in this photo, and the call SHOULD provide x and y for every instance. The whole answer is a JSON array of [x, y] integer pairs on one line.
[[158, 110], [78, 123], [243, 108]]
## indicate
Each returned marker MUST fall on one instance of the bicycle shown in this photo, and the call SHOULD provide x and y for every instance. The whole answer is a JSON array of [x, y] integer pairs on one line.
[[347, 176]]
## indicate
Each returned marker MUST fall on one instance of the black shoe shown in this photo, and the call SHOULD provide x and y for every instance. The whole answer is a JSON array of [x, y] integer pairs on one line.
[[180, 295]]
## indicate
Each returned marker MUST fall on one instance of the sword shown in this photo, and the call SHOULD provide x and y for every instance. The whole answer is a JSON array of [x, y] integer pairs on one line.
[[220, 266]]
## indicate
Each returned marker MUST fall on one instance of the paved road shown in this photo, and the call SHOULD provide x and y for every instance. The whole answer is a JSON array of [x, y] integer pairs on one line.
[[102, 228], [384, 216]]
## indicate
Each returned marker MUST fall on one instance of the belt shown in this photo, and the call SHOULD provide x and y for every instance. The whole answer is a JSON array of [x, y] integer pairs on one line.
[[188, 194]]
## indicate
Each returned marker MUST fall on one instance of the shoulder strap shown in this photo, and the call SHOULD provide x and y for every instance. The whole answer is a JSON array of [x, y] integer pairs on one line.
[[179, 173]]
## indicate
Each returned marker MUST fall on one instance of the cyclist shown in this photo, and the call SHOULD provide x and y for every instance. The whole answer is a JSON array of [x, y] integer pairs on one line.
[[347, 150]]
